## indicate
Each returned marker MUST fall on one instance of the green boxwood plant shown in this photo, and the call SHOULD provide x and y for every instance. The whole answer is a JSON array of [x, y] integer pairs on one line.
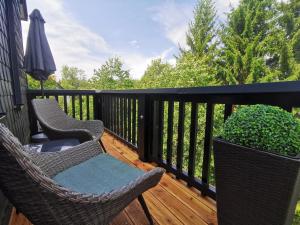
[[266, 128]]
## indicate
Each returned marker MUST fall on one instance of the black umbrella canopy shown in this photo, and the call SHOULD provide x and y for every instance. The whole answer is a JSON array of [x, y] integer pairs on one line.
[[38, 62]]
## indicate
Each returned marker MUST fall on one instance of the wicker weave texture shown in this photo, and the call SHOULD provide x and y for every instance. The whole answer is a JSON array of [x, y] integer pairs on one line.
[[26, 180], [57, 125]]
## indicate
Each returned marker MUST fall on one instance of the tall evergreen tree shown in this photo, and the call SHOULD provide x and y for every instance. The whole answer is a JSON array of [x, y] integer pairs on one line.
[[290, 51], [251, 41], [201, 36]]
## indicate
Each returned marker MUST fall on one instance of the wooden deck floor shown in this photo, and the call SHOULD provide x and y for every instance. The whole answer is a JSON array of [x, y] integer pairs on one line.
[[170, 202]]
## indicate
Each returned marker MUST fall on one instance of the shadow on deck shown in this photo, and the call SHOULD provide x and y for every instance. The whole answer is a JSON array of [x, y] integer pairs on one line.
[[170, 202]]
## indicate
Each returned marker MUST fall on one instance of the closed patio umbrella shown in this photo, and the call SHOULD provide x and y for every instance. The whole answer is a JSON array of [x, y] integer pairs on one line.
[[38, 62]]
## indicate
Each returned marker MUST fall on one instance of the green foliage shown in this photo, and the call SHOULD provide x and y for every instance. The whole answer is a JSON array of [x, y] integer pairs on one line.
[[265, 128], [201, 36], [190, 71], [157, 75], [48, 84], [111, 76], [73, 78], [259, 43], [296, 46], [193, 71], [249, 39]]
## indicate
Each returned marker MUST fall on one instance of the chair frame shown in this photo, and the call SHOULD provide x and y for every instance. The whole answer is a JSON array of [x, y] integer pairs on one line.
[[26, 180]]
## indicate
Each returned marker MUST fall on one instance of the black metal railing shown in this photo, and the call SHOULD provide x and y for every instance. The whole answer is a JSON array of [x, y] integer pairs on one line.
[[174, 127], [119, 113]]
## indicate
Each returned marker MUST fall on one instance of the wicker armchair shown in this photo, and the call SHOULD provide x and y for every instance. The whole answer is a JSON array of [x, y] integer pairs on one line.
[[58, 125], [33, 183]]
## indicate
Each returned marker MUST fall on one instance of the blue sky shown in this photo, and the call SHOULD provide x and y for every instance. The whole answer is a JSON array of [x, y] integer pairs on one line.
[[86, 33]]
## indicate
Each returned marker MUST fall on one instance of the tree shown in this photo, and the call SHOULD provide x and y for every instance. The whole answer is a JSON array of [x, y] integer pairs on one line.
[[73, 78], [156, 75], [290, 24], [192, 71], [111, 76], [201, 36], [251, 43], [51, 83]]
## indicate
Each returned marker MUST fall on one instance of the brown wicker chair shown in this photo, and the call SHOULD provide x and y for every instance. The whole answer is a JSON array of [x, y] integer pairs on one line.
[[31, 182], [58, 125]]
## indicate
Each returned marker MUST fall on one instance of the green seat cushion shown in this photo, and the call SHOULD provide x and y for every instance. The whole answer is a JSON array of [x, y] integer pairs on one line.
[[97, 175]]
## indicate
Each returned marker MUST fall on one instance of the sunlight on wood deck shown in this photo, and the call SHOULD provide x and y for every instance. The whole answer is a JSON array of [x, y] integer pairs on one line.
[[170, 202]]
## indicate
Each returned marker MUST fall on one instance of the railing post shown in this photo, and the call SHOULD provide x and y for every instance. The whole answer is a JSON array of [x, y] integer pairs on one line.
[[207, 147], [145, 127], [97, 106]]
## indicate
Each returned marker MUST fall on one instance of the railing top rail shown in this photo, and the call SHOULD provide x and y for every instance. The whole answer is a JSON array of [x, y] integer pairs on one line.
[[62, 91], [261, 88]]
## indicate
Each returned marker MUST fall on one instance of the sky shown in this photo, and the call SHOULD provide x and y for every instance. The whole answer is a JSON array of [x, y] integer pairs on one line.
[[85, 34]]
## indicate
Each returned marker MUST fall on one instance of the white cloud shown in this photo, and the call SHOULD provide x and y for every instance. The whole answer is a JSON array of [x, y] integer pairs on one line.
[[174, 17], [134, 43], [138, 63], [223, 7], [75, 45]]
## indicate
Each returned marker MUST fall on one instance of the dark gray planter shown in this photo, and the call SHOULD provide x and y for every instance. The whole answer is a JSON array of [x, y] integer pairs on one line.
[[255, 187]]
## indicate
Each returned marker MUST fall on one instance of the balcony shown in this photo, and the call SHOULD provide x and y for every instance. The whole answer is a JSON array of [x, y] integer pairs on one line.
[[171, 202], [170, 128]]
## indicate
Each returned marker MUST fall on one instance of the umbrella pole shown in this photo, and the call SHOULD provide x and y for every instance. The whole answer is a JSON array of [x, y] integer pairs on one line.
[[42, 88]]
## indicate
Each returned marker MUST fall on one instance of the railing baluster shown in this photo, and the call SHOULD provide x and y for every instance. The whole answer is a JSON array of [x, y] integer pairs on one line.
[[106, 110], [122, 116], [129, 119], [80, 107], [193, 138], [180, 140], [87, 107], [56, 98], [207, 145], [65, 104], [111, 101], [108, 107], [134, 121], [125, 118], [160, 130], [97, 107], [227, 111], [73, 106], [118, 115], [158, 118], [111, 112], [170, 132]]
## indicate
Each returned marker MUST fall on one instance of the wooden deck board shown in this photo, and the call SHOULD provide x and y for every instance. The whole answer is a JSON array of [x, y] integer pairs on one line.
[[170, 202]]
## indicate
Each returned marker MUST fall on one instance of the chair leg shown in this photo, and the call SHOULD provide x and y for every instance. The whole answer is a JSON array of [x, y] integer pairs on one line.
[[145, 208], [102, 146]]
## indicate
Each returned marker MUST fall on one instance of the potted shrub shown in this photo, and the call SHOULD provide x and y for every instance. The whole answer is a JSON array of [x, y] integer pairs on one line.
[[257, 167]]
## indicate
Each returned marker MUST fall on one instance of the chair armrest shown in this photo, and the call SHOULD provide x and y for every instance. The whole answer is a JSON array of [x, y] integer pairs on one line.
[[81, 134], [52, 163], [95, 126], [104, 206]]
